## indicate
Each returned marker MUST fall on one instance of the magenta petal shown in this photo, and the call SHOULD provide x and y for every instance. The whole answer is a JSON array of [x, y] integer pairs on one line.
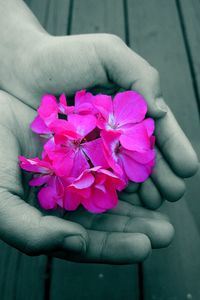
[[46, 197], [63, 127], [80, 163], [39, 126], [71, 201], [135, 138], [104, 105], [150, 126], [94, 150], [134, 170], [34, 165], [85, 180], [37, 181], [129, 107], [84, 103], [84, 124], [48, 106], [111, 145], [63, 163]]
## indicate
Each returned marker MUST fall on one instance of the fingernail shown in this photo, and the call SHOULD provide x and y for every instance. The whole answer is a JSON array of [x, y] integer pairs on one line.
[[74, 243], [161, 104]]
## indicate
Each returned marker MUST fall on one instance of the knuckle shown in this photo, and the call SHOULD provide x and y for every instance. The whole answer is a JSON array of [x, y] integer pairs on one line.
[[112, 38], [32, 246]]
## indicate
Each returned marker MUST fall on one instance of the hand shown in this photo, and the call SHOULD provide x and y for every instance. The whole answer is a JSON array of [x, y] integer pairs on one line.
[[102, 61], [123, 235]]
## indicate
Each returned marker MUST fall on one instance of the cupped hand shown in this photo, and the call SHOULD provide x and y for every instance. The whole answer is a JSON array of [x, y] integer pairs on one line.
[[123, 235], [103, 62]]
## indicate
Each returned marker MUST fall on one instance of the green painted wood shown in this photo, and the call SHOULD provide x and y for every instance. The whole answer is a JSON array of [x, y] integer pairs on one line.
[[40, 9], [21, 277], [91, 16], [155, 32], [73, 281], [58, 15], [190, 11]]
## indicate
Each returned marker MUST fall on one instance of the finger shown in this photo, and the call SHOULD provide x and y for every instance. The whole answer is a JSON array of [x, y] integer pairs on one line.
[[159, 231], [175, 146], [130, 71], [127, 209], [22, 225], [149, 194], [132, 198], [170, 186], [112, 248], [132, 187]]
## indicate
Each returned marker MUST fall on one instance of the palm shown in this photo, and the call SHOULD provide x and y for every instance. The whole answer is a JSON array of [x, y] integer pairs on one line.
[[125, 224]]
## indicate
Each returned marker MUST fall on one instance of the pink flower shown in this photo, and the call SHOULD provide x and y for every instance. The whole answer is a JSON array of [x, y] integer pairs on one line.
[[71, 156], [128, 164], [95, 189], [52, 193], [48, 112]]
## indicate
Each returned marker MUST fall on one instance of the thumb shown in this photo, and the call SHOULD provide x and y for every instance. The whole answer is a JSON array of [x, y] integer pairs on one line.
[[130, 71], [25, 228]]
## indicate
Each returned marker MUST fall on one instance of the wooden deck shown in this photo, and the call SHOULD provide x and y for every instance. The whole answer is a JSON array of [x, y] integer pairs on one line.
[[166, 33]]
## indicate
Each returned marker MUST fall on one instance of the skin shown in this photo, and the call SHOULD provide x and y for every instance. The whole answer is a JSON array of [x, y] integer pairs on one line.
[[34, 63]]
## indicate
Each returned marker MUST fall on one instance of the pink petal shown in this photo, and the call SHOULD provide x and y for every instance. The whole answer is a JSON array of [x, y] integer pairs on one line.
[[63, 127], [80, 163], [37, 181], [94, 150], [85, 180], [84, 124], [48, 107], [111, 143], [63, 162], [71, 201], [134, 170], [129, 107], [104, 105], [46, 197], [150, 126], [84, 102], [34, 165], [135, 138], [39, 126]]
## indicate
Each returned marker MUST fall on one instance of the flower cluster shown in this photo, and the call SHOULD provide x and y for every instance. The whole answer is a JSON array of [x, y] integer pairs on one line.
[[93, 149]]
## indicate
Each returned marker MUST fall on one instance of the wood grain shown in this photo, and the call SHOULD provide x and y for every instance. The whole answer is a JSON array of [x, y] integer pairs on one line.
[[155, 32]]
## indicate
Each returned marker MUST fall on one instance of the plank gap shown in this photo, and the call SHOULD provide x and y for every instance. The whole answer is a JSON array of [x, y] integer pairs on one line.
[[48, 277], [69, 23], [126, 26], [188, 52], [140, 281]]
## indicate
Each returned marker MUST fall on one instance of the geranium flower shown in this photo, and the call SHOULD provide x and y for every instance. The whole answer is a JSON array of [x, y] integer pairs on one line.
[[128, 164], [95, 189], [71, 156], [51, 195]]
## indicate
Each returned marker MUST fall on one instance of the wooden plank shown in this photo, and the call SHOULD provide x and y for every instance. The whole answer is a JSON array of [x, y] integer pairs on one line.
[[40, 9], [75, 281], [155, 32], [91, 16], [190, 13], [20, 274], [58, 16]]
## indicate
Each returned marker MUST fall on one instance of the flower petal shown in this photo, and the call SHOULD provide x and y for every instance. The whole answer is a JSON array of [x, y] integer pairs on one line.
[[37, 181], [129, 107], [46, 197], [104, 105], [135, 138], [39, 126], [84, 124], [94, 150], [134, 170]]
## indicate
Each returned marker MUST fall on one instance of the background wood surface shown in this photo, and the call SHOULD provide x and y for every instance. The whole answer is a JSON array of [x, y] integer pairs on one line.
[[167, 34]]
